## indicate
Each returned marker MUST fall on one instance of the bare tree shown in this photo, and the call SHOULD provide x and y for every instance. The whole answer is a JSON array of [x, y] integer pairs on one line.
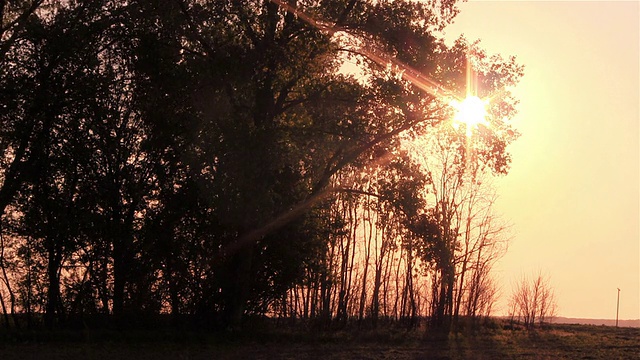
[[533, 301]]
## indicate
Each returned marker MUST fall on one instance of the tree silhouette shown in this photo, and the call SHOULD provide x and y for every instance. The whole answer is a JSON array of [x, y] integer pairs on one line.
[[533, 300], [213, 159]]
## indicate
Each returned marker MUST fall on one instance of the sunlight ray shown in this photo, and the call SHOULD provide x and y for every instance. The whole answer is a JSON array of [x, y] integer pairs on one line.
[[417, 78]]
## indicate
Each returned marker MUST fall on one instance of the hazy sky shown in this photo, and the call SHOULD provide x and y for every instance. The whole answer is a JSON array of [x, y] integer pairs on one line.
[[572, 194]]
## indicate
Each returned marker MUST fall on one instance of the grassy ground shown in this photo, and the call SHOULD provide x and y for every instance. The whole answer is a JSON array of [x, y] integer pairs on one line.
[[557, 342]]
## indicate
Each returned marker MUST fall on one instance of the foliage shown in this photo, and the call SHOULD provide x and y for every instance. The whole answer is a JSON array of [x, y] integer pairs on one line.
[[212, 158]]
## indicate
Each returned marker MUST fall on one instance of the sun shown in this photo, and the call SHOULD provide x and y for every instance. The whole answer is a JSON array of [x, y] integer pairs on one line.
[[472, 111]]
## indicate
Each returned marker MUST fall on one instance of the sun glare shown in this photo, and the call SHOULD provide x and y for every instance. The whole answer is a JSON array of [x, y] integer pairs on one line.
[[472, 112]]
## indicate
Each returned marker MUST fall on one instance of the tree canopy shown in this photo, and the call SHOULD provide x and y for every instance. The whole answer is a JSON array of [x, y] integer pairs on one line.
[[208, 158]]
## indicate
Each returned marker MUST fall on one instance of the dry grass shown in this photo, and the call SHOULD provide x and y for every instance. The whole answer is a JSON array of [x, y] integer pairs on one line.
[[557, 342]]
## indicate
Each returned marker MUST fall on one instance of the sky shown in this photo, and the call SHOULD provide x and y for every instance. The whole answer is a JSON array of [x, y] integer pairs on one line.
[[572, 194]]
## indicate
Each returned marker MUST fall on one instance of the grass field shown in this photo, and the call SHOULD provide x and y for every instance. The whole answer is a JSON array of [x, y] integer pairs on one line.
[[556, 342]]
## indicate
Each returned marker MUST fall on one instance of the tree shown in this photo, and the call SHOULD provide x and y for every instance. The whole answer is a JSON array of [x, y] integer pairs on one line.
[[46, 124], [489, 153], [288, 110], [459, 162], [533, 301]]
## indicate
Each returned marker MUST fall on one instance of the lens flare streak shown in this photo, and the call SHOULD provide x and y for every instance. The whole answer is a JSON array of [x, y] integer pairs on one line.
[[414, 76]]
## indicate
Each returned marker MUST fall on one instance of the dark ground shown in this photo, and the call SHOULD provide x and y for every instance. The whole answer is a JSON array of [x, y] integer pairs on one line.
[[556, 342]]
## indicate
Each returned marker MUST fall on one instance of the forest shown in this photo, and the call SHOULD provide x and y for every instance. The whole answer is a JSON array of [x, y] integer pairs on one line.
[[213, 161]]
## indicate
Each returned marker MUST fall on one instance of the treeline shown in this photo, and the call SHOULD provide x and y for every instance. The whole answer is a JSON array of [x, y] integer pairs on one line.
[[218, 159]]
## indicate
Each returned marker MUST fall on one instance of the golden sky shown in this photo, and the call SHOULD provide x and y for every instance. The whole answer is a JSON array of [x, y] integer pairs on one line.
[[572, 194]]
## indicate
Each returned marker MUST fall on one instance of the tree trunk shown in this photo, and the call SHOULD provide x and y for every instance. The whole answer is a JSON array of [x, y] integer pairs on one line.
[[6, 282], [119, 274], [238, 286], [54, 249], [367, 256], [122, 258]]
